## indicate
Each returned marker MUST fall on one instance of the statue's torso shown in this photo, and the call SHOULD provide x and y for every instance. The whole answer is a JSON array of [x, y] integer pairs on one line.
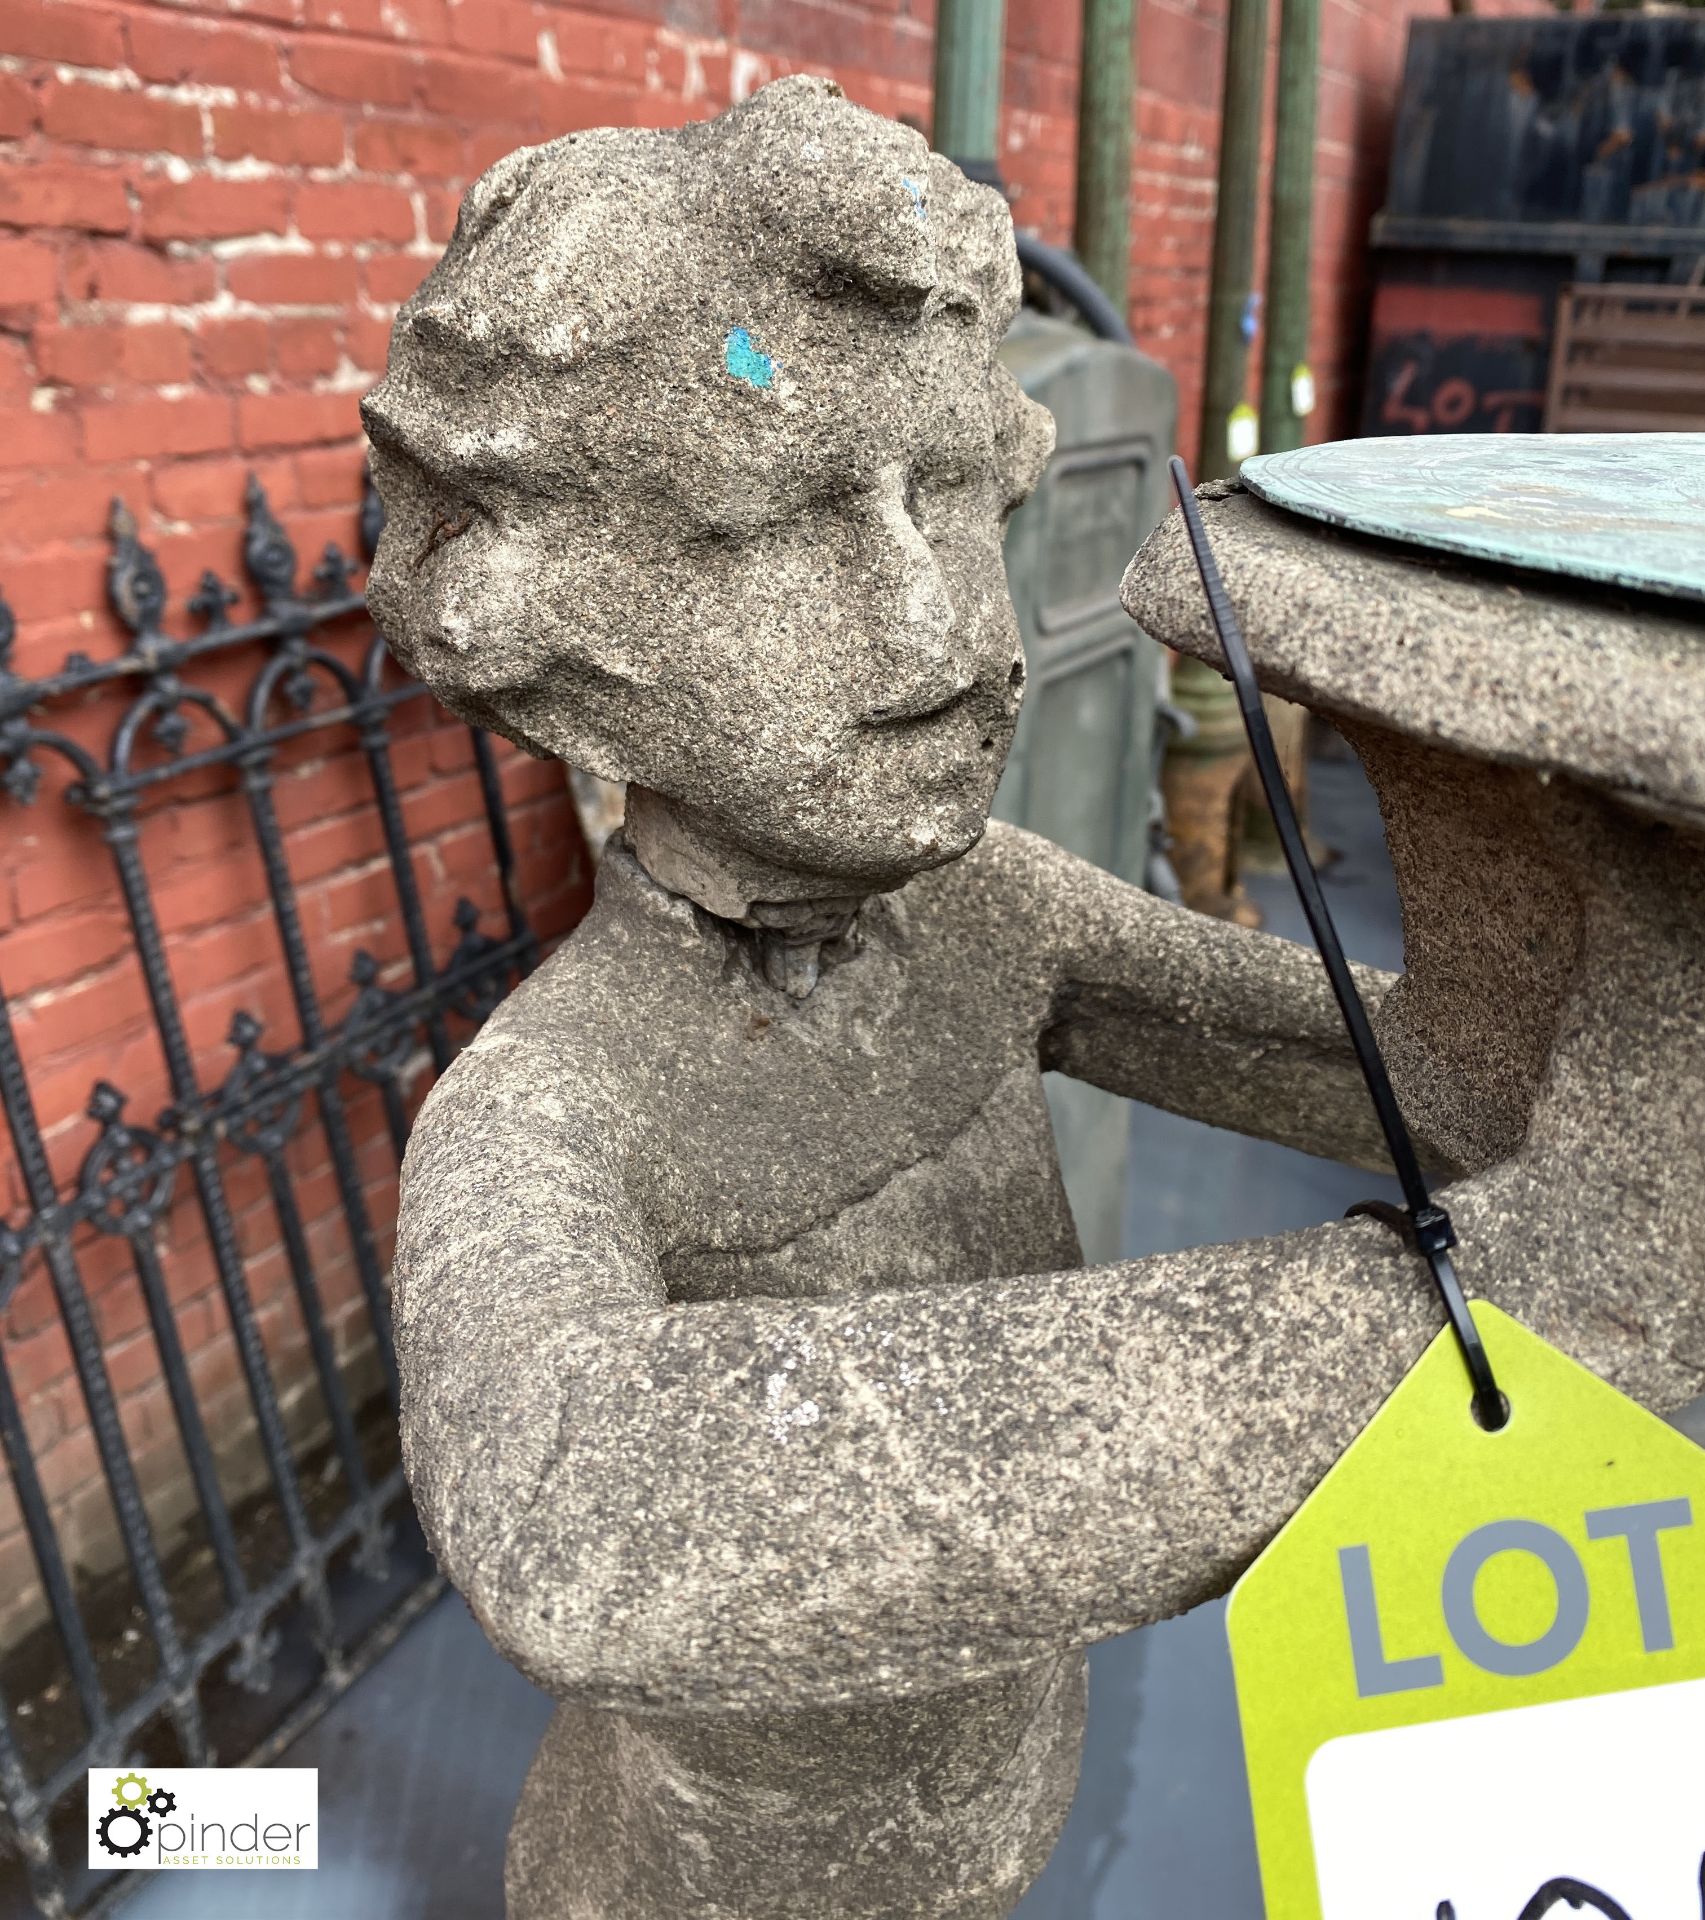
[[988, 1202], [889, 1129]]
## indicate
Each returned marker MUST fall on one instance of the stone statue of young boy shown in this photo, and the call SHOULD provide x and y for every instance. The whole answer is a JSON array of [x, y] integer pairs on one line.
[[750, 1394]]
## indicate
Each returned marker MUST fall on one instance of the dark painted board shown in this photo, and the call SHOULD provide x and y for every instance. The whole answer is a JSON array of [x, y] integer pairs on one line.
[[1591, 119]]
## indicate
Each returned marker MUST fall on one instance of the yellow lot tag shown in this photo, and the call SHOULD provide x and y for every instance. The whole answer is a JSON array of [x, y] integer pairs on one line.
[[1471, 1671]]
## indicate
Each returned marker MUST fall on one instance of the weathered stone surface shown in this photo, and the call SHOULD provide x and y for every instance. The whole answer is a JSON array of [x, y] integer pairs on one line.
[[1539, 751], [834, 1810], [1487, 707], [750, 1396]]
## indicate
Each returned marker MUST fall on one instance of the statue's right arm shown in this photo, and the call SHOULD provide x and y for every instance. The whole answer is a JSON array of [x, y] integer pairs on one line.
[[796, 1502]]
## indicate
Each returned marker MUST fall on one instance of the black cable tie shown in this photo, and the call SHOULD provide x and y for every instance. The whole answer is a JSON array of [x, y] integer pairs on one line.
[[1388, 1215], [1428, 1223]]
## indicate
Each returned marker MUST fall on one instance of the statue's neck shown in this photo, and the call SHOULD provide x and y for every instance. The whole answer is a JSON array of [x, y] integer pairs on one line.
[[797, 921]]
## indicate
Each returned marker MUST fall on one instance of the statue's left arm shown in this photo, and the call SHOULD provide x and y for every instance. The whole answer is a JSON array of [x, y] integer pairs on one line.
[[1190, 1013]]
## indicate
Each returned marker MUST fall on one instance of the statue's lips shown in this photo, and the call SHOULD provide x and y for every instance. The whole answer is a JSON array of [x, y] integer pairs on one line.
[[934, 703], [950, 748]]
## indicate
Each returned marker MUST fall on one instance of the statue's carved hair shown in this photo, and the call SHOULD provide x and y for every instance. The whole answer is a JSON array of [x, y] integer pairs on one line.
[[782, 186]]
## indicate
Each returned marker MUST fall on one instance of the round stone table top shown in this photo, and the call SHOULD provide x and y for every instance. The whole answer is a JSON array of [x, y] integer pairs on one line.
[[1625, 508], [1534, 671]]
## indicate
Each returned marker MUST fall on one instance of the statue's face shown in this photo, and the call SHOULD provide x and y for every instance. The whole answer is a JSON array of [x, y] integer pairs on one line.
[[695, 455], [783, 607]]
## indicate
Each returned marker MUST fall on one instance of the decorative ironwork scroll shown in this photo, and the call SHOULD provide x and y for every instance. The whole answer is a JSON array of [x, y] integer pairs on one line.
[[344, 1572]]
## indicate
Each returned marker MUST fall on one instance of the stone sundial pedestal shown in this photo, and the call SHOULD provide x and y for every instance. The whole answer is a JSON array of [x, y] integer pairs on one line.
[[753, 1394]]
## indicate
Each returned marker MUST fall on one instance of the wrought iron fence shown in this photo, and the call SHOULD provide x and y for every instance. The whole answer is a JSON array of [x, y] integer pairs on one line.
[[299, 1586]]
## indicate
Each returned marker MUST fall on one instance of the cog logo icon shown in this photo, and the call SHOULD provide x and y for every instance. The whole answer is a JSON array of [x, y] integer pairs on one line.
[[130, 1789], [161, 1802], [134, 1830]]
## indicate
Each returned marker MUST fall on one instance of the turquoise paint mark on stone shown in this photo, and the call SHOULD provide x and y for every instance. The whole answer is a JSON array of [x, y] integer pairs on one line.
[[1623, 508], [916, 189], [745, 362]]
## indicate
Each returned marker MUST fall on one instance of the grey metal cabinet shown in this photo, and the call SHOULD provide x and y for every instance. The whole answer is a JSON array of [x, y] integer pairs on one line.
[[1084, 761]]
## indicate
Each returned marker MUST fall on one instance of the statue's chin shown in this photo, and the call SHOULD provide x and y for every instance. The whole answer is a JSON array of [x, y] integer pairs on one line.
[[934, 840], [946, 838]]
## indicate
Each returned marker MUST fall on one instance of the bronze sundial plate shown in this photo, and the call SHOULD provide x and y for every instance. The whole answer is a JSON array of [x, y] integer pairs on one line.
[[1623, 508]]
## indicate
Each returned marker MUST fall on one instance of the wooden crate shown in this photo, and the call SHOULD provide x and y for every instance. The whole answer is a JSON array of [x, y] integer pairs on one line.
[[1628, 359]]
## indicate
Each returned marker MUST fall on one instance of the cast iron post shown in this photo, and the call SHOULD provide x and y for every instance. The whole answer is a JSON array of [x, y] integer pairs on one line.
[[1103, 221], [969, 36], [1290, 229], [1234, 232]]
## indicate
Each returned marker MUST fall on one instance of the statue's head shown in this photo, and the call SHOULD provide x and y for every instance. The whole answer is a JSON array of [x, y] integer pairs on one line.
[[695, 456]]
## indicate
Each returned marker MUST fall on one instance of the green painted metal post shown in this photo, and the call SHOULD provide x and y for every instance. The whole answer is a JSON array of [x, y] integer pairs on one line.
[[1290, 232], [1103, 221], [969, 38], [1235, 213]]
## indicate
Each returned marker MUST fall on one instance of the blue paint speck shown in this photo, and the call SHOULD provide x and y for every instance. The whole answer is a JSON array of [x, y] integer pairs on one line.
[[916, 189], [745, 362]]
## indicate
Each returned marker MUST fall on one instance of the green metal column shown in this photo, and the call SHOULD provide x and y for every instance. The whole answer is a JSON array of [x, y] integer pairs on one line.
[[1290, 229], [969, 38], [1103, 222], [1235, 211]]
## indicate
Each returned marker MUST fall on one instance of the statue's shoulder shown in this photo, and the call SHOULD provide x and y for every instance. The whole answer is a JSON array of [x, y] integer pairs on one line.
[[542, 1048], [1004, 900], [1033, 904], [1012, 870]]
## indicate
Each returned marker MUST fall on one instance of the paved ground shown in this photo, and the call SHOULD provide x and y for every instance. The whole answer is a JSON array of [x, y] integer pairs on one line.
[[421, 1762]]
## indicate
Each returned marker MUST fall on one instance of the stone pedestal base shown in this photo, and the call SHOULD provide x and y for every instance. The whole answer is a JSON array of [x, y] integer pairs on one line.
[[946, 1805]]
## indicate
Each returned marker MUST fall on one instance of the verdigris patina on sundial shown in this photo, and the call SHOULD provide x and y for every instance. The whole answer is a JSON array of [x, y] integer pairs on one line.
[[1625, 508]]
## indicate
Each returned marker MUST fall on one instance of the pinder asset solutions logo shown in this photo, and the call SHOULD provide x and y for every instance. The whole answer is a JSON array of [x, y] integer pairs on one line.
[[204, 1817]]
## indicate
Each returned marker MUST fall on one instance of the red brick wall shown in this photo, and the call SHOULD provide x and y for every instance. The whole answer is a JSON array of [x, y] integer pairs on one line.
[[208, 214]]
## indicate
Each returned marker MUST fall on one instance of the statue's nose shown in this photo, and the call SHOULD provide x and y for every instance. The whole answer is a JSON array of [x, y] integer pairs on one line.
[[918, 623]]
